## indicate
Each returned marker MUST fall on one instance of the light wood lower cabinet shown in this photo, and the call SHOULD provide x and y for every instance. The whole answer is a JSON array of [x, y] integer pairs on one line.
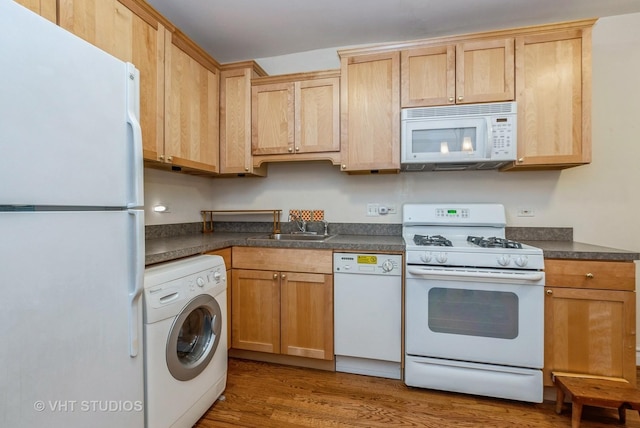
[[282, 311], [590, 319]]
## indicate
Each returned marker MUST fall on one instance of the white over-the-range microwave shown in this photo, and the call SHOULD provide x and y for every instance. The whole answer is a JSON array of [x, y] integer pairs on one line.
[[458, 137]]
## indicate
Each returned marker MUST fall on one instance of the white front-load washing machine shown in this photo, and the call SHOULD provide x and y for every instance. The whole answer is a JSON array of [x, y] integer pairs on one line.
[[185, 337]]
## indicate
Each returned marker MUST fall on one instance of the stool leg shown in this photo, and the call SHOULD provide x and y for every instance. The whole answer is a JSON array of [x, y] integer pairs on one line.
[[559, 399], [622, 414], [576, 414]]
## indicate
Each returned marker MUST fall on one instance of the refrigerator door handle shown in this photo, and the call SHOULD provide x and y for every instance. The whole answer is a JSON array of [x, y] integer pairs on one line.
[[137, 282], [133, 113]]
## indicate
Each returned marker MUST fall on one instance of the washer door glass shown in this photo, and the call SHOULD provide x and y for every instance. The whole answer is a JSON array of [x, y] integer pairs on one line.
[[194, 337]]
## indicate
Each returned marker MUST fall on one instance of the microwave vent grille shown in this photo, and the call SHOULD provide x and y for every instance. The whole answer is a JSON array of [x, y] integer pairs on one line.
[[459, 110]]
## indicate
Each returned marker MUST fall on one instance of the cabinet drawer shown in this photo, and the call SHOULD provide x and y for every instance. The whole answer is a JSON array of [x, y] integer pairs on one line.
[[283, 259], [590, 274]]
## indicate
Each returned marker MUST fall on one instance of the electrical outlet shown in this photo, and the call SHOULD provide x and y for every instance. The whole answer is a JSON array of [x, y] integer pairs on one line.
[[392, 209], [372, 210], [526, 212]]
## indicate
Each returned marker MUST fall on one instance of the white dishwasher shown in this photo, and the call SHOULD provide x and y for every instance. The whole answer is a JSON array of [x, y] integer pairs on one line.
[[368, 313]]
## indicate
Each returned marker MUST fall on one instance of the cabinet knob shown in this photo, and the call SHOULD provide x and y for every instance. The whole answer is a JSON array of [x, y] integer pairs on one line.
[[549, 292], [246, 168], [297, 149], [290, 149], [460, 98], [589, 275], [170, 158], [344, 166], [275, 276], [283, 276], [450, 99], [520, 160], [161, 157]]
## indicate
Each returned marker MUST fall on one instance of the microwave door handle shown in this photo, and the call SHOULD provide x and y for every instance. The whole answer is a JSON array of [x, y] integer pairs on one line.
[[487, 150]]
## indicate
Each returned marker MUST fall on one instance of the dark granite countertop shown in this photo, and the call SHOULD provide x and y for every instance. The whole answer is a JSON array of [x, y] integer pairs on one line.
[[162, 245], [581, 251], [169, 248]]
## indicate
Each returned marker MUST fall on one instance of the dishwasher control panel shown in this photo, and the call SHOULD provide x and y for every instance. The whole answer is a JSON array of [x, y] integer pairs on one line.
[[363, 263]]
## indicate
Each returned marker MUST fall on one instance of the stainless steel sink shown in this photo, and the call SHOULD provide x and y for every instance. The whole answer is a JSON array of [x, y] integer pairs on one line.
[[294, 237]]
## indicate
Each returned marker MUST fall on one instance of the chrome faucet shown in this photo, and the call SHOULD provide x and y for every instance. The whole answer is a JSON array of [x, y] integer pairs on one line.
[[299, 221], [326, 227]]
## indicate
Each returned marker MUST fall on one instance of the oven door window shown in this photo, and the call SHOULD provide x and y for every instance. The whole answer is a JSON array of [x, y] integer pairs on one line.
[[473, 312]]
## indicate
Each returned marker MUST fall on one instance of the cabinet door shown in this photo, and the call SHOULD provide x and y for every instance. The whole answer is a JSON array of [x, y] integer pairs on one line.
[[235, 122], [591, 332], [307, 315], [131, 34], [370, 112], [273, 119], [255, 313], [44, 8], [191, 107], [484, 71], [428, 76], [553, 91], [317, 116]]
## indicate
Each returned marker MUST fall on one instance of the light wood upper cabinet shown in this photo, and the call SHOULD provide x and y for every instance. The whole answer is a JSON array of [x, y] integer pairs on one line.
[[553, 91], [370, 112], [132, 34], [296, 117], [466, 72], [44, 8], [235, 118], [280, 310], [191, 106], [179, 102], [590, 319]]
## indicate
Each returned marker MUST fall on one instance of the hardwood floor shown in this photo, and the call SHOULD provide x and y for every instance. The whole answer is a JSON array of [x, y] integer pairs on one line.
[[269, 395]]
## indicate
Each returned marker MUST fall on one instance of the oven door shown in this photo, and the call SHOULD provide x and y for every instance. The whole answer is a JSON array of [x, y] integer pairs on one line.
[[484, 316]]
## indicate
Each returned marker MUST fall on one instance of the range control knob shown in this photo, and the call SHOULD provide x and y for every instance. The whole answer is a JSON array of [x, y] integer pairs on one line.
[[426, 257], [216, 276], [522, 261], [200, 281], [504, 260], [387, 266], [441, 257]]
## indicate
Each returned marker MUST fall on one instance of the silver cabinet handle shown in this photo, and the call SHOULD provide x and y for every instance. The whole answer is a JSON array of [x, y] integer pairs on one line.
[[589, 275]]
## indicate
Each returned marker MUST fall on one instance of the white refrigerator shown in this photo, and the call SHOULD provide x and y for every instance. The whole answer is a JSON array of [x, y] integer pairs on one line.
[[71, 231]]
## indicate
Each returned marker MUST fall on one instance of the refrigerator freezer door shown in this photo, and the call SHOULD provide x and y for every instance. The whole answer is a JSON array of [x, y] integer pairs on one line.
[[68, 135], [70, 282]]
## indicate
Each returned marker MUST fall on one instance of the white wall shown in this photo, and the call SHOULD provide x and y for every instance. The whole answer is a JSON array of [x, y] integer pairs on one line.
[[600, 201]]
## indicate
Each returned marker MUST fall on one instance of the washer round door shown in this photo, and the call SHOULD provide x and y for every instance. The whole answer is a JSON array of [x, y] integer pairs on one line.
[[194, 337]]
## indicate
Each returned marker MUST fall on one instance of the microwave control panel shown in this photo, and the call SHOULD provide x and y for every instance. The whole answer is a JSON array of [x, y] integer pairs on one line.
[[503, 137]]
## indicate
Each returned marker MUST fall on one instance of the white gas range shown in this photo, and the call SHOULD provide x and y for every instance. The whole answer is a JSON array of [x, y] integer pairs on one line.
[[474, 303]]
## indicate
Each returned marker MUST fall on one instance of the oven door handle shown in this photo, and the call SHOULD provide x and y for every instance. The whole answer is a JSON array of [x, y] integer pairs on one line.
[[529, 276]]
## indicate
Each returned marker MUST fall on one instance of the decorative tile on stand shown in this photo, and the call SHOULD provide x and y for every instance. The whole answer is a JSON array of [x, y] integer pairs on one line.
[[306, 215], [318, 215]]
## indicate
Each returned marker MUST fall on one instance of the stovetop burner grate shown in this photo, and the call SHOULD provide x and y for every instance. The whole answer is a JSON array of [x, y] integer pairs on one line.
[[493, 242], [434, 241]]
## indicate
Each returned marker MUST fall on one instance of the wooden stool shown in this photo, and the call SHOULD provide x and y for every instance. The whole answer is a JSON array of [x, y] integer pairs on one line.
[[595, 392]]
